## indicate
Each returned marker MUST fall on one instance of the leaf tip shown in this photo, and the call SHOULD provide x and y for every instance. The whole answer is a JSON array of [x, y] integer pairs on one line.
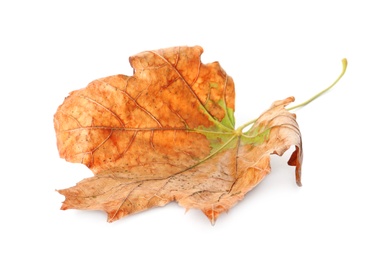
[[296, 160], [212, 215]]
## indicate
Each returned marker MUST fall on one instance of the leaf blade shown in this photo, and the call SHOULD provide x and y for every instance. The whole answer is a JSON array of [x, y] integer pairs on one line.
[[167, 134]]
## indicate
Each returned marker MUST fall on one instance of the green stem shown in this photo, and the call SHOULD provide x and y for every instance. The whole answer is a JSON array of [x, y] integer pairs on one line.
[[344, 68], [240, 129]]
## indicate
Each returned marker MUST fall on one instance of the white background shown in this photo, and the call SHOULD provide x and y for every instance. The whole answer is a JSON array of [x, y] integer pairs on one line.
[[272, 49]]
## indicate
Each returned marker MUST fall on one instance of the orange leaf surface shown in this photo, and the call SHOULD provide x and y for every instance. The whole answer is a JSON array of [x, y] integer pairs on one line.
[[167, 134]]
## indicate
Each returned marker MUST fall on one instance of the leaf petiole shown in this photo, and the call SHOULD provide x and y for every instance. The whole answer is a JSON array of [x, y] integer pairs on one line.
[[344, 68]]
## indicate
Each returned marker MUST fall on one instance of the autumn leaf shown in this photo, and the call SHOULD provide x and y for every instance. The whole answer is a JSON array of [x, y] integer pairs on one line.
[[167, 133]]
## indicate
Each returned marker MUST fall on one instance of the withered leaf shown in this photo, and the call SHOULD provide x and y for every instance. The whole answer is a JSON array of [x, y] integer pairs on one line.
[[167, 134]]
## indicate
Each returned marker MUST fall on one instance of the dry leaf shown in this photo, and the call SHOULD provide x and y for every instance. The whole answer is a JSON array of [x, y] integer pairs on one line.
[[167, 134]]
